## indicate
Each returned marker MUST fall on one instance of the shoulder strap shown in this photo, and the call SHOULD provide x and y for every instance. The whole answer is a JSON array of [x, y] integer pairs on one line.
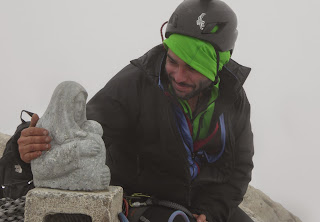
[[28, 112]]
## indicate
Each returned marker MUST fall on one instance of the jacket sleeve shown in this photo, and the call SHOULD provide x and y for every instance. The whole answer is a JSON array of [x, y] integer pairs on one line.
[[219, 200], [116, 108]]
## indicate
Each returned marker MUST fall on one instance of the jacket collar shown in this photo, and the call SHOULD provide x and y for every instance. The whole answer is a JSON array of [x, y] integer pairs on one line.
[[232, 78], [152, 62]]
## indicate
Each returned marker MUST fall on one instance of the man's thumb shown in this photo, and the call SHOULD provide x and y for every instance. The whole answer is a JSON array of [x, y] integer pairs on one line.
[[34, 120]]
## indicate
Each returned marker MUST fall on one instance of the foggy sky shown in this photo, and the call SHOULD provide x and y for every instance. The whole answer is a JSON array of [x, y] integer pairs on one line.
[[43, 43]]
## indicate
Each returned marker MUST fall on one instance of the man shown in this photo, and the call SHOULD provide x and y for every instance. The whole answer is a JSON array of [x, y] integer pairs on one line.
[[176, 121]]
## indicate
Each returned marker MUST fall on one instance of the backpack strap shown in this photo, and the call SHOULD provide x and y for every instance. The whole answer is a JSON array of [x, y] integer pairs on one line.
[[28, 112]]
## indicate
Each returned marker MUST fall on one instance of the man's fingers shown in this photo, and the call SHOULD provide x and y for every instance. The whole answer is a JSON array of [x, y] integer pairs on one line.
[[30, 156], [36, 147], [202, 218], [38, 140], [26, 140], [31, 147], [32, 151], [34, 131], [33, 141], [34, 120]]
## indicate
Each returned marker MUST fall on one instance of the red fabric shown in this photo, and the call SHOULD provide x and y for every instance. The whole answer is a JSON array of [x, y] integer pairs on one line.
[[198, 144]]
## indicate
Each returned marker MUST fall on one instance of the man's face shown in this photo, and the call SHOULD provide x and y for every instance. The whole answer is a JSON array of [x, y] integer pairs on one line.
[[186, 81]]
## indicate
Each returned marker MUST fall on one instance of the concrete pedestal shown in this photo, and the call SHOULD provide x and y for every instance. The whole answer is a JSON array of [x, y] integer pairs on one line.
[[101, 206]]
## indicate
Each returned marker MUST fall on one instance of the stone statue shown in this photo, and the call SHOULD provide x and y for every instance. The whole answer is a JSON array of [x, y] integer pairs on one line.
[[76, 160]]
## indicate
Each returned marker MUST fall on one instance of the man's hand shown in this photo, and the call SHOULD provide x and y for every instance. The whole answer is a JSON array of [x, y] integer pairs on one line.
[[200, 218], [33, 141]]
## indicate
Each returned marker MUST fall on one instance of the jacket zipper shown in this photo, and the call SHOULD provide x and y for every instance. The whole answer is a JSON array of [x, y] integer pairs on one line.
[[188, 185]]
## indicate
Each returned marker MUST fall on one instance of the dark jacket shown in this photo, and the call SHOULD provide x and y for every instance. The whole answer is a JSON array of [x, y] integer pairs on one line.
[[145, 152]]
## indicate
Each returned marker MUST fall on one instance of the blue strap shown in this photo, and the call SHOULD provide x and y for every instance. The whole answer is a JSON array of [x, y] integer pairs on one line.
[[184, 132], [122, 217], [176, 213]]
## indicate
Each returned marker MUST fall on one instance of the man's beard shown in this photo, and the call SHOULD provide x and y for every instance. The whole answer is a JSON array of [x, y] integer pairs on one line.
[[195, 92]]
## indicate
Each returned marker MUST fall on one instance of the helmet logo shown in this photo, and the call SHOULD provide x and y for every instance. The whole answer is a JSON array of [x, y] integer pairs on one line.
[[200, 21]]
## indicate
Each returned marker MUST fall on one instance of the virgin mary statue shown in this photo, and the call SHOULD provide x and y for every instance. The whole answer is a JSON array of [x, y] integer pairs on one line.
[[76, 160]]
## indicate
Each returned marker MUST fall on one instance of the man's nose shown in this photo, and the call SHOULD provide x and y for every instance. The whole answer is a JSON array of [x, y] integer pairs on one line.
[[180, 75]]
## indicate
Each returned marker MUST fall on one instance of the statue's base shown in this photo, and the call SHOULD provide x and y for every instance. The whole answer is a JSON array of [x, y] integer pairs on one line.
[[101, 206]]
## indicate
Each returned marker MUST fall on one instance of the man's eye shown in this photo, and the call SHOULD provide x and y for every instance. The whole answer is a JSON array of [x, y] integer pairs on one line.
[[171, 61], [191, 69]]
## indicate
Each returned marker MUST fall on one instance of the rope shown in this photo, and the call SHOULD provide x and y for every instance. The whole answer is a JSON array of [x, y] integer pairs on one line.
[[12, 210], [176, 213]]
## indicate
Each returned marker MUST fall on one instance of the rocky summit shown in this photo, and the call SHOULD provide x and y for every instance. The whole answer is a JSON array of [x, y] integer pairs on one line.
[[256, 204]]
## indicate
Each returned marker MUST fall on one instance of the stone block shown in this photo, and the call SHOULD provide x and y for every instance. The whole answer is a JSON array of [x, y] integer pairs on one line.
[[101, 206]]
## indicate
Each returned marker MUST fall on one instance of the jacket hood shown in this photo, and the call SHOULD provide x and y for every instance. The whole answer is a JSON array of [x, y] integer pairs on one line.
[[152, 62]]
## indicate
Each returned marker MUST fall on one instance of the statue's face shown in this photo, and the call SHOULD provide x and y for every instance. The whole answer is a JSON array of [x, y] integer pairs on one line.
[[79, 106]]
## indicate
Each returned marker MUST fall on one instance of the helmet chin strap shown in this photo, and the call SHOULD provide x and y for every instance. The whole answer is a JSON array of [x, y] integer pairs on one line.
[[218, 63]]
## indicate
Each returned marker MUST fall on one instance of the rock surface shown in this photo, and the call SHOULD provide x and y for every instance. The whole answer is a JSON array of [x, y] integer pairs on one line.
[[256, 204], [262, 209], [3, 141]]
